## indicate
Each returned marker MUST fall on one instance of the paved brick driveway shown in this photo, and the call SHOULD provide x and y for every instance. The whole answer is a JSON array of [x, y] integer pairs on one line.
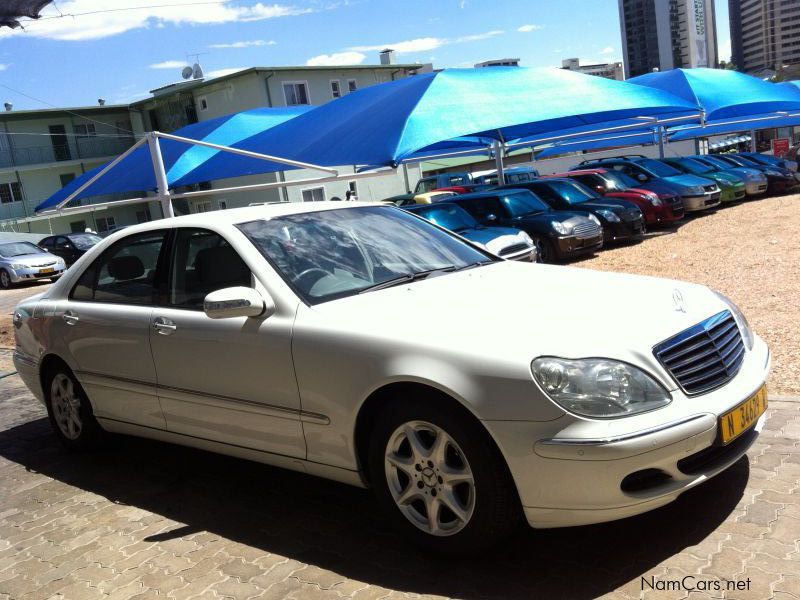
[[149, 520], [10, 298]]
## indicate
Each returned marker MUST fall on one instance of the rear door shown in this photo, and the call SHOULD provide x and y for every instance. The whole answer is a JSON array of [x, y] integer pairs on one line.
[[105, 328], [226, 380]]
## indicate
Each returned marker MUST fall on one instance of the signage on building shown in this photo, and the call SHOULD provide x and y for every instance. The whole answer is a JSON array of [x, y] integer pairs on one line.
[[698, 44], [780, 147]]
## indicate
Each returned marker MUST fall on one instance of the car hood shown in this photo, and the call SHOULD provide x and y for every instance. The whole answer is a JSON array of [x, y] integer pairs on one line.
[[515, 312], [494, 239], [725, 179], [688, 180], [35, 259]]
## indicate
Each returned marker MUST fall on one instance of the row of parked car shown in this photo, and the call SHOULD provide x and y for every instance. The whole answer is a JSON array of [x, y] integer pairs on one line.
[[554, 218]]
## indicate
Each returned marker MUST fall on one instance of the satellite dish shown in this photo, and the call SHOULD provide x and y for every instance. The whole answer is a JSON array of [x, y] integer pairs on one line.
[[187, 72]]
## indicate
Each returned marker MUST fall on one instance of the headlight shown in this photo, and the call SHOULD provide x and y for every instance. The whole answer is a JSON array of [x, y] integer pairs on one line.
[[17, 266], [741, 320], [773, 173], [598, 387], [560, 228], [596, 220], [695, 190], [655, 200], [608, 215], [525, 238]]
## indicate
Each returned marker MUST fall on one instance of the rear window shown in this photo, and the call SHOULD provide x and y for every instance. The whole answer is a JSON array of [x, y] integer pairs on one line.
[[658, 168]]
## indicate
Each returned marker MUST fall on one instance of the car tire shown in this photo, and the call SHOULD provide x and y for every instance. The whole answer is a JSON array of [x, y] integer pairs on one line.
[[5, 280], [69, 410], [545, 251], [478, 510]]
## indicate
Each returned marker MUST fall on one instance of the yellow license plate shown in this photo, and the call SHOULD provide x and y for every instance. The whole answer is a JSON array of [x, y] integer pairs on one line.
[[47, 270], [735, 422]]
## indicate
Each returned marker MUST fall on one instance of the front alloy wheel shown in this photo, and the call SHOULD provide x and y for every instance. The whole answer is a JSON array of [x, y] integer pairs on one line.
[[5, 279], [66, 407], [430, 478]]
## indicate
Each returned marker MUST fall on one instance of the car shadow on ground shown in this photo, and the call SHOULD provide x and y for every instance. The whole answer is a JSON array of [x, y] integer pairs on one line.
[[340, 528]]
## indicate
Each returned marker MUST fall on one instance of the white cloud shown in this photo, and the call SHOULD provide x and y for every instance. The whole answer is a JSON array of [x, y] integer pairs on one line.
[[337, 58], [223, 72], [92, 19], [245, 44], [527, 28], [725, 50], [3, 67], [169, 64], [607, 50], [426, 44]]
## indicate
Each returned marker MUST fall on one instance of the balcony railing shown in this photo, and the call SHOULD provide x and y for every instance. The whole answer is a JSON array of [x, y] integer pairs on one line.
[[80, 148]]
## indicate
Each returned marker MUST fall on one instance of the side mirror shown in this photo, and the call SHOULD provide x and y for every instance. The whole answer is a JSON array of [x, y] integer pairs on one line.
[[641, 177], [600, 189], [491, 218], [237, 302]]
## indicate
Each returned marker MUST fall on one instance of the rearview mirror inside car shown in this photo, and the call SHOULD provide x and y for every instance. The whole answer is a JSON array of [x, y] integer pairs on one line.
[[238, 302], [491, 217], [641, 177]]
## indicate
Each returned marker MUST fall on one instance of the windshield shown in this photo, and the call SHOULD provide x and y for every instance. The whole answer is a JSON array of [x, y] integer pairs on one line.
[[761, 159], [619, 180], [523, 203], [720, 164], [18, 249], [84, 241], [573, 193], [325, 255], [449, 216], [658, 168], [744, 161], [695, 166]]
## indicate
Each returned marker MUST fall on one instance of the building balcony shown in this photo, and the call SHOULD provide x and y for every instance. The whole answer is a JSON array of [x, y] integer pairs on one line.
[[79, 149]]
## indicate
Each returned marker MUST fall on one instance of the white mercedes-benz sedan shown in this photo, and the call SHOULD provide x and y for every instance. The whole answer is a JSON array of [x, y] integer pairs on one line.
[[364, 344]]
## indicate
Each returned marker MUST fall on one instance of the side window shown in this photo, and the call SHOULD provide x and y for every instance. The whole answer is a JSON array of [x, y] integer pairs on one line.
[[203, 262], [62, 242], [545, 193], [125, 273], [482, 208], [46, 243]]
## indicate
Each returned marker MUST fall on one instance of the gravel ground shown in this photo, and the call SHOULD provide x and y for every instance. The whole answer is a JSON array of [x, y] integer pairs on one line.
[[750, 253]]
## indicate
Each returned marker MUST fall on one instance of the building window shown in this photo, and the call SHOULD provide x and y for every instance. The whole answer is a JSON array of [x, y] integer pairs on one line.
[[201, 207], [223, 204], [351, 85], [336, 90], [66, 178], [314, 195], [105, 224], [85, 130], [202, 101], [143, 216], [10, 192], [77, 226], [295, 93]]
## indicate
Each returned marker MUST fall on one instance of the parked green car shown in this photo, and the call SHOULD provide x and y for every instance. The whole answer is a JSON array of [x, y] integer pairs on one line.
[[732, 186]]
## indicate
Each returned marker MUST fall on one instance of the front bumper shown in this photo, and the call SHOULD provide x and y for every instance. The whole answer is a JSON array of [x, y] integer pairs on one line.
[[31, 273], [702, 202], [733, 193], [623, 230], [572, 245], [576, 471], [755, 188]]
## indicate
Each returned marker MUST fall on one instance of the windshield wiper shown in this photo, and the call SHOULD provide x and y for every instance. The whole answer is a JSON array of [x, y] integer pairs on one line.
[[407, 278], [480, 263]]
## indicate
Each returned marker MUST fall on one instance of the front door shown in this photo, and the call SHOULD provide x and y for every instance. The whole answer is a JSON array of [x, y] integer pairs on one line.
[[58, 137], [105, 327], [225, 380]]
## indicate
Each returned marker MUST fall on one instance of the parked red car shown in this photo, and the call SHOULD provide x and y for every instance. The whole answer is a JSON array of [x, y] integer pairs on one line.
[[656, 208]]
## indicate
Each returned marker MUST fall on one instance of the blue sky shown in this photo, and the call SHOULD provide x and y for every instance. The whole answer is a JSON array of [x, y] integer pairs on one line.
[[121, 54]]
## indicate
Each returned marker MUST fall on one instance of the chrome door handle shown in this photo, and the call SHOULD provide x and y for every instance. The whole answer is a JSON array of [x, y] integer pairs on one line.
[[164, 326], [70, 317]]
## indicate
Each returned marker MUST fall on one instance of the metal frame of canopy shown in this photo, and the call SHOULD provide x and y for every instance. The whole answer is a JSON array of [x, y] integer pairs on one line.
[[165, 197]]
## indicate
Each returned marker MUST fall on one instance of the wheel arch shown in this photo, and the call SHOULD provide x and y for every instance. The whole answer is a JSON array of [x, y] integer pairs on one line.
[[48, 363]]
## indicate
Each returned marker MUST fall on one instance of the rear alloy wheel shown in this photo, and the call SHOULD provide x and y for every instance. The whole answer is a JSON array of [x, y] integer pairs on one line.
[[5, 279], [69, 411], [440, 478]]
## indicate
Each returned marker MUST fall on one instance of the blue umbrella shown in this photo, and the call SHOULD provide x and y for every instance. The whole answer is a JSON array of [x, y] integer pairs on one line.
[[134, 173]]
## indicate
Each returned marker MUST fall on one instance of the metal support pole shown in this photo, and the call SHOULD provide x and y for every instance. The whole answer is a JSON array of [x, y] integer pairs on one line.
[[498, 161], [753, 140], [661, 135], [162, 186]]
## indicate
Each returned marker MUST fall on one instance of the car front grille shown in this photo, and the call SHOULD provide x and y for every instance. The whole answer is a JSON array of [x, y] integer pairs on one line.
[[49, 264], [632, 215], [705, 356], [587, 229], [513, 249]]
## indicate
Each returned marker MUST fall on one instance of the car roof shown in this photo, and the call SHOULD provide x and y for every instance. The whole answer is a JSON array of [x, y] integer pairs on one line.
[[578, 172], [422, 207]]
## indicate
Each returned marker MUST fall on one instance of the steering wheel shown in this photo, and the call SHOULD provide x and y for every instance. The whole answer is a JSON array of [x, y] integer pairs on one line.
[[298, 279]]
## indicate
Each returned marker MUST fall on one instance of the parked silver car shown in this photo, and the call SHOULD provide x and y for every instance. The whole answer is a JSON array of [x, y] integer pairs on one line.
[[23, 261], [364, 344]]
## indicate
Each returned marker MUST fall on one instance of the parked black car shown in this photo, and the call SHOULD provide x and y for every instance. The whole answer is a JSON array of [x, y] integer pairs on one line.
[[620, 219], [70, 246], [779, 180], [557, 235]]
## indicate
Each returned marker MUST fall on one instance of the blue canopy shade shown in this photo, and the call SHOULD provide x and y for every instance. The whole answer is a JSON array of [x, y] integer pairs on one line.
[[722, 94], [611, 140], [383, 125], [134, 173]]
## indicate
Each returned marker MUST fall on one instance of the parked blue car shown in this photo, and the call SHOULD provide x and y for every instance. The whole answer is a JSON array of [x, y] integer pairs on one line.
[[769, 160], [697, 193]]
